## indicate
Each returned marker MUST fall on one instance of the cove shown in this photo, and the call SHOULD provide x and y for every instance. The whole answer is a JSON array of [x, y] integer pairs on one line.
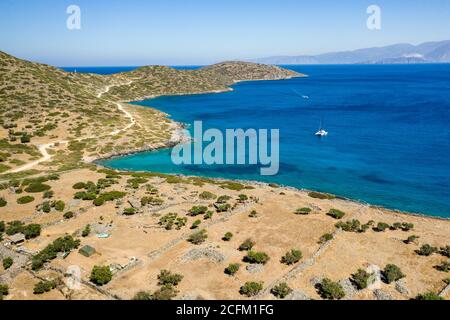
[[388, 142]]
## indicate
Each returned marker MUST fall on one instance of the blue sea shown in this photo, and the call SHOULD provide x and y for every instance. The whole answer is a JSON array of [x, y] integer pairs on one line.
[[388, 142]]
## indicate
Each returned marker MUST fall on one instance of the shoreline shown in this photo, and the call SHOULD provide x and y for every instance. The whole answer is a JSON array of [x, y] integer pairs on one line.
[[279, 186], [178, 132]]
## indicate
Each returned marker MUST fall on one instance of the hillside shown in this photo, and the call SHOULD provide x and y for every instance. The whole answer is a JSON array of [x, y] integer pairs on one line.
[[156, 80], [47, 113]]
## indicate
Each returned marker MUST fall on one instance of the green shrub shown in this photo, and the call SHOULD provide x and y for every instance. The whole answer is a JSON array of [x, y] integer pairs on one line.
[[25, 139], [65, 244], [44, 286], [171, 219], [331, 290], [445, 251], [174, 179], [151, 189], [3, 202], [281, 290], [256, 257], [79, 186], [248, 244], [325, 238], [59, 205], [68, 215], [208, 215], [164, 293], [136, 182], [129, 211], [223, 207], [223, 199], [323, 196], [14, 227], [349, 226], [86, 231], [14, 183], [232, 269], [2, 226], [197, 210], [48, 194], [232, 186], [53, 176], [429, 296], [396, 226], [31, 231], [303, 211], [426, 250], [228, 236], [292, 257], [142, 296], [381, 227], [251, 289], [196, 224], [407, 226], [274, 185], [180, 222], [46, 207], [25, 200], [364, 228], [392, 273], [361, 279], [166, 277], [101, 275], [411, 239], [4, 291], [242, 198], [198, 237], [336, 214], [86, 196], [206, 195], [168, 221], [37, 188], [106, 196], [253, 214], [154, 201], [7, 263], [99, 201], [444, 266]]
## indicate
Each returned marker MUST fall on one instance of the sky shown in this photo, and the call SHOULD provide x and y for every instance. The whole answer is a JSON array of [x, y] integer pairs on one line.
[[198, 32]]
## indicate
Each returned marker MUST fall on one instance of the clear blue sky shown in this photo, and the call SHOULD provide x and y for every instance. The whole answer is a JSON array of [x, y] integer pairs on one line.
[[181, 32]]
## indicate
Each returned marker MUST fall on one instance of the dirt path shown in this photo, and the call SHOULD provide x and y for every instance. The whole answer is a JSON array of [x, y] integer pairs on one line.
[[43, 147]]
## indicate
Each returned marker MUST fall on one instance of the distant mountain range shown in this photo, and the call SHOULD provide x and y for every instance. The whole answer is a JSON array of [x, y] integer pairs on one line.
[[428, 52]]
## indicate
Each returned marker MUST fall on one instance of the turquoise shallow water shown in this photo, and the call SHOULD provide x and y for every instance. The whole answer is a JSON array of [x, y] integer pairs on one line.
[[389, 132]]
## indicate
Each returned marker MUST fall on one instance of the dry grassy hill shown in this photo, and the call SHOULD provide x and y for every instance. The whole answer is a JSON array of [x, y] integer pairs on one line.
[[77, 117], [156, 80]]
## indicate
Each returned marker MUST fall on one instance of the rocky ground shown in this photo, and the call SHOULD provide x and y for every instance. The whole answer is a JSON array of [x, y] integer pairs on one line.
[[138, 246]]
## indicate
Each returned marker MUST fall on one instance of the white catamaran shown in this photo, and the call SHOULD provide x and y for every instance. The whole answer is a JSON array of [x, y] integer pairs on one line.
[[321, 132]]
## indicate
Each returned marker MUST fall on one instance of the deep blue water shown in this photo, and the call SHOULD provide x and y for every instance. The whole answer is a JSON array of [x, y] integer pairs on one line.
[[389, 132]]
